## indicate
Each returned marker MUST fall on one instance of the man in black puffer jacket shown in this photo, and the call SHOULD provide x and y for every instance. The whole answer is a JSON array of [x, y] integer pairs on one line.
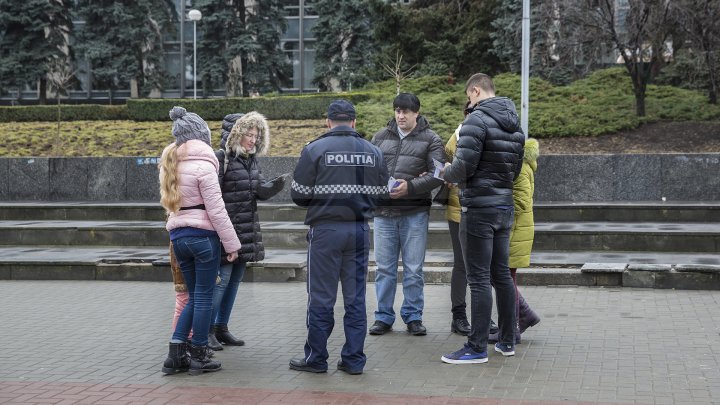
[[401, 223], [487, 160]]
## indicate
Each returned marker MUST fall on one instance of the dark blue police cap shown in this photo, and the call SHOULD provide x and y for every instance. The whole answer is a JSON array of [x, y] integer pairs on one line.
[[341, 110]]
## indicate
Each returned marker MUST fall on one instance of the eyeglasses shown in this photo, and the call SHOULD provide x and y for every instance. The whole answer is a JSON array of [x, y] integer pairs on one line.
[[250, 136]]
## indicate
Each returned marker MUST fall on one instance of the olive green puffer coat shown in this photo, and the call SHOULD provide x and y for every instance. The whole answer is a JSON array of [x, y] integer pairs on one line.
[[523, 230]]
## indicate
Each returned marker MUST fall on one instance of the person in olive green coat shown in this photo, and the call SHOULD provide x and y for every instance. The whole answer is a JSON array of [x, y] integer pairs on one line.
[[522, 233]]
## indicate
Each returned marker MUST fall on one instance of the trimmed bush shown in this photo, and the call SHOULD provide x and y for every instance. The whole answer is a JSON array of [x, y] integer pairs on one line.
[[68, 112], [298, 107]]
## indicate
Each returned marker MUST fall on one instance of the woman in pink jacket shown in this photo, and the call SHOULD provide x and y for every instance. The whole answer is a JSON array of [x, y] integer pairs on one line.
[[198, 223]]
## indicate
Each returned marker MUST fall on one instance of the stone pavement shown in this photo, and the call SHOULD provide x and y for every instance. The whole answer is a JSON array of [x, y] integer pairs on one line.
[[103, 342]]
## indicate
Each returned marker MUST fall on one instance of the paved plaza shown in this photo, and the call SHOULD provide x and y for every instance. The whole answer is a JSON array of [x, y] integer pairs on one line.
[[71, 342]]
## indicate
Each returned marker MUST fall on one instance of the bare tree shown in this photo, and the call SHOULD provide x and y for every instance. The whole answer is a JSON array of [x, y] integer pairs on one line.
[[397, 72], [639, 32], [60, 75], [698, 20]]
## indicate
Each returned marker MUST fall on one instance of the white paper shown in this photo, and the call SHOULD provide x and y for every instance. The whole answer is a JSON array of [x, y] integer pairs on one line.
[[392, 183], [438, 166]]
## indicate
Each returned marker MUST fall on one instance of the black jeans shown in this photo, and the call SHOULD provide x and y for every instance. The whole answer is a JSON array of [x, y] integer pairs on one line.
[[458, 278], [485, 240]]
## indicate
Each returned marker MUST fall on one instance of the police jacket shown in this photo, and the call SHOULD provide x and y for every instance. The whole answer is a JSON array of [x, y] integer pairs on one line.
[[489, 154], [406, 159], [339, 177]]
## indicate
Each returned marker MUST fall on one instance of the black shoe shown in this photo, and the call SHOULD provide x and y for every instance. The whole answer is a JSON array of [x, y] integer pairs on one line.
[[343, 367], [416, 328], [301, 365], [460, 326], [200, 361], [213, 343], [178, 360], [211, 352], [224, 336], [380, 328]]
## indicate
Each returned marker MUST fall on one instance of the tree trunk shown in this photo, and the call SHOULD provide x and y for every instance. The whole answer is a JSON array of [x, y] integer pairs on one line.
[[134, 91], [640, 103], [42, 91], [713, 85], [235, 73]]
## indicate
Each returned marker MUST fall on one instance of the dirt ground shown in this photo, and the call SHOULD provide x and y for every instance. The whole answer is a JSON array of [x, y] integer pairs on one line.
[[659, 137]]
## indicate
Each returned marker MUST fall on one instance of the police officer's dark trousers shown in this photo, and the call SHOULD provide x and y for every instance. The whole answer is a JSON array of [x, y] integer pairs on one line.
[[338, 251]]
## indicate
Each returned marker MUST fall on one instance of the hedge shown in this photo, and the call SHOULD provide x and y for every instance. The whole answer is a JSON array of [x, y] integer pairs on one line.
[[68, 112], [295, 107]]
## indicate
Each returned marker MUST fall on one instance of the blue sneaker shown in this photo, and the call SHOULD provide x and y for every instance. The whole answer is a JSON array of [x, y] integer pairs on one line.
[[466, 355], [505, 349]]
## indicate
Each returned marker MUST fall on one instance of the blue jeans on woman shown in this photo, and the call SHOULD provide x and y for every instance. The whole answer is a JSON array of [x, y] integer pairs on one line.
[[199, 260], [392, 235], [231, 275]]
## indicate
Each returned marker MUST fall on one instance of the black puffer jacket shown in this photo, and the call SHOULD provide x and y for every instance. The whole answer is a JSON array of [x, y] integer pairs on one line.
[[407, 159], [242, 183], [489, 154]]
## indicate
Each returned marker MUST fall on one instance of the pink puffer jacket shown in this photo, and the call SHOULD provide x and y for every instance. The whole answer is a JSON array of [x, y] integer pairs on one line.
[[197, 171]]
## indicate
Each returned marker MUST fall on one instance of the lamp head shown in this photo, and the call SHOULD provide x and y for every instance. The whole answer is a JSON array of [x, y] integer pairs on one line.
[[194, 15]]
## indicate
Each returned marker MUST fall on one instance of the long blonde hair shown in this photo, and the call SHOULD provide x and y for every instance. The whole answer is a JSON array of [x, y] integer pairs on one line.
[[169, 193]]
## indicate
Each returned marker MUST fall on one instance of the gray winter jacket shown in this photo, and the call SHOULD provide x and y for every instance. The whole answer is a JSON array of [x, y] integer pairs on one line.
[[406, 159]]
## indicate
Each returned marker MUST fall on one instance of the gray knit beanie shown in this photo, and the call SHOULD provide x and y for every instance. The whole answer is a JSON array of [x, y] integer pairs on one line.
[[187, 126]]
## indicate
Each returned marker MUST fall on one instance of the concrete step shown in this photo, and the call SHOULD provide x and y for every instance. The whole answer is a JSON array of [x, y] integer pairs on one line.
[[137, 263], [568, 236], [652, 211]]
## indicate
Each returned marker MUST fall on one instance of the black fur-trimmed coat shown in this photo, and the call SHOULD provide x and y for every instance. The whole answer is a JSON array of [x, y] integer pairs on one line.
[[242, 184]]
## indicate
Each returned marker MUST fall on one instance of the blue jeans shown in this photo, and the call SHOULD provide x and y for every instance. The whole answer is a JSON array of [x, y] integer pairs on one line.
[[337, 251], [199, 259], [231, 275], [393, 235], [485, 240]]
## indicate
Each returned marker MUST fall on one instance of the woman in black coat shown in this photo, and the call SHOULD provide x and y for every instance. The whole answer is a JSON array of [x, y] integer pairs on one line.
[[242, 185]]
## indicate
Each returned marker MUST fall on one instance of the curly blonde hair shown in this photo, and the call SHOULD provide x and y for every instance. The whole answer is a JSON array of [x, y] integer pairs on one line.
[[169, 193]]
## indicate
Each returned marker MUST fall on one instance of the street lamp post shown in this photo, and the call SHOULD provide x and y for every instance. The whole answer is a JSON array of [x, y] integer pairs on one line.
[[195, 16], [525, 70]]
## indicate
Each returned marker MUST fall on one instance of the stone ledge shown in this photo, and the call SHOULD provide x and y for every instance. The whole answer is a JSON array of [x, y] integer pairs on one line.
[[698, 268], [603, 267], [689, 277]]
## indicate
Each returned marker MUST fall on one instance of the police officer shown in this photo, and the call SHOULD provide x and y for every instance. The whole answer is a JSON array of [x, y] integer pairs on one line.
[[339, 178]]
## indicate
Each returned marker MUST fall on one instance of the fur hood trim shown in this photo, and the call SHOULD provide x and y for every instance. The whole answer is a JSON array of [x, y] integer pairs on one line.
[[532, 151], [253, 119]]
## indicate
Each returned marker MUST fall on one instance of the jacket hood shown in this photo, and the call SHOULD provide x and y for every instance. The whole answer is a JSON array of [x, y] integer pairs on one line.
[[253, 119], [197, 150], [532, 151], [227, 124], [422, 124], [502, 110]]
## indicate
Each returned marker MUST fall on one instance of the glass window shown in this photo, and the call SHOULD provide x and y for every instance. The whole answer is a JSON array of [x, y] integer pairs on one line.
[[294, 57], [308, 24], [292, 7], [309, 8], [309, 72], [172, 66], [293, 29]]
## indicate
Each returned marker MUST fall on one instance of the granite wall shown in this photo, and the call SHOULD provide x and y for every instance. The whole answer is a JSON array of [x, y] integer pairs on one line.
[[693, 177]]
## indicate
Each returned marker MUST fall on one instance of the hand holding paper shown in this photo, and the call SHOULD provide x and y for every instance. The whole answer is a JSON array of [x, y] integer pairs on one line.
[[439, 169]]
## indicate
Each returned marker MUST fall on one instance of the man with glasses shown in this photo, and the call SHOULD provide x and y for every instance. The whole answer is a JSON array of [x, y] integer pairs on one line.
[[401, 222]]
